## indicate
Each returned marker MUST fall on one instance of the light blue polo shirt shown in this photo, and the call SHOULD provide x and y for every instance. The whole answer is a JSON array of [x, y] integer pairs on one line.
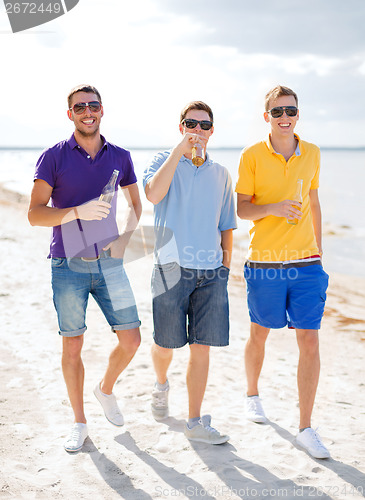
[[190, 218]]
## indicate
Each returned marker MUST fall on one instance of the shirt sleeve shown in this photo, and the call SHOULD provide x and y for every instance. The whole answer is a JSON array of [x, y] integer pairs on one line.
[[46, 168], [157, 161], [315, 180], [246, 175], [227, 218], [129, 176]]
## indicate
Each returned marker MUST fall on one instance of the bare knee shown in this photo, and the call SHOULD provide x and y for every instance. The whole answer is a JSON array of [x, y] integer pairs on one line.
[[129, 340], [72, 347], [161, 352], [308, 341], [200, 351], [258, 334]]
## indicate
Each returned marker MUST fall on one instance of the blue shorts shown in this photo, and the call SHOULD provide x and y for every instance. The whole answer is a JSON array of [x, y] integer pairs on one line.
[[106, 280], [197, 295], [293, 296]]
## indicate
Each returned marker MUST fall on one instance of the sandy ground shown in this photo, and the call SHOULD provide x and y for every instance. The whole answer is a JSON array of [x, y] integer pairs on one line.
[[148, 460]]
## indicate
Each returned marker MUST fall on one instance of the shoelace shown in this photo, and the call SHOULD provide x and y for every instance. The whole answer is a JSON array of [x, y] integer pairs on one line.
[[115, 411], [254, 405], [75, 434], [209, 428], [318, 439], [159, 400]]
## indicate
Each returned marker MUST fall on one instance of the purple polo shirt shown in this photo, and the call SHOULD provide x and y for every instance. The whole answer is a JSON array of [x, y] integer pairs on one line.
[[76, 179]]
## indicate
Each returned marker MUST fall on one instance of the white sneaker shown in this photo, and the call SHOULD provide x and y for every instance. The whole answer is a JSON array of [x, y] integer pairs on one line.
[[76, 438], [160, 403], [311, 442], [254, 410], [110, 407], [204, 433]]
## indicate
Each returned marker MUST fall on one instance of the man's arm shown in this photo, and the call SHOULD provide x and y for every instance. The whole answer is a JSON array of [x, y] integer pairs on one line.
[[134, 211], [157, 188], [226, 244], [251, 211], [40, 214], [316, 217]]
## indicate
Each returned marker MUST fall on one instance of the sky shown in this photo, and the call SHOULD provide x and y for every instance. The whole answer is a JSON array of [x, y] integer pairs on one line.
[[148, 58]]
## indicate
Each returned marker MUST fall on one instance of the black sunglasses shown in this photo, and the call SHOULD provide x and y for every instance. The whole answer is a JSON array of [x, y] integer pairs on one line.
[[279, 111], [191, 123], [80, 107]]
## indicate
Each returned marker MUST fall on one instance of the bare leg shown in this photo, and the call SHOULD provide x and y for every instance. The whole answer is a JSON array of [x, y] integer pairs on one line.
[[120, 357], [161, 358], [254, 356], [73, 373], [196, 377], [308, 373]]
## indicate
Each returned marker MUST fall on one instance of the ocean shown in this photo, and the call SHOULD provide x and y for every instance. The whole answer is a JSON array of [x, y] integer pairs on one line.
[[341, 184]]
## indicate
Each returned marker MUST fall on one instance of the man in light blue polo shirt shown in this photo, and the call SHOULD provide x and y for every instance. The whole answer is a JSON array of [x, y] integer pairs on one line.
[[194, 216]]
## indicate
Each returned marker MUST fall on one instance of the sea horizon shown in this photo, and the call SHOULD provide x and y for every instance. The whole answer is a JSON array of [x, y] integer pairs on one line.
[[160, 148], [341, 180]]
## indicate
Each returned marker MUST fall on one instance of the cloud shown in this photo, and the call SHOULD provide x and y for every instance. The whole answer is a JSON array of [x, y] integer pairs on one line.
[[148, 58], [321, 27]]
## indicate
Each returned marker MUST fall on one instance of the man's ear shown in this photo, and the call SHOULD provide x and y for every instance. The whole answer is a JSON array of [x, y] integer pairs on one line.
[[69, 114], [266, 117]]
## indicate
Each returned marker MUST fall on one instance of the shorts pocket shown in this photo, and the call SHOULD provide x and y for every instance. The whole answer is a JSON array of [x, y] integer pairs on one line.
[[164, 277], [166, 268], [57, 261]]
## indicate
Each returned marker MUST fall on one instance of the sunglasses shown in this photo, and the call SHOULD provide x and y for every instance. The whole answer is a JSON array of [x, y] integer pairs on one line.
[[191, 123], [80, 107], [279, 111]]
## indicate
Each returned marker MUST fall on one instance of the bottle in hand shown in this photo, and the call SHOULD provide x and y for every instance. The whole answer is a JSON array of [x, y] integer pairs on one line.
[[109, 189], [197, 155], [297, 197]]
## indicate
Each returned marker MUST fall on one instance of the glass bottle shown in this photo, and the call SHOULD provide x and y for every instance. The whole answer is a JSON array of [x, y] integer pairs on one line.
[[297, 197], [109, 189], [197, 155]]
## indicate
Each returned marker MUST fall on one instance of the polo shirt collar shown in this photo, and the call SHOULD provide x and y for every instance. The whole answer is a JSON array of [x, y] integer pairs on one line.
[[298, 150], [73, 144]]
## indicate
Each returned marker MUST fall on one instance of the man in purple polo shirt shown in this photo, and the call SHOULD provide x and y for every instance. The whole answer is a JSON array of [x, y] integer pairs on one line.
[[87, 249]]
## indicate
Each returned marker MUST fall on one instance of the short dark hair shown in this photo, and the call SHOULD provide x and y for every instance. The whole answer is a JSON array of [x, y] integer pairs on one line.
[[83, 88], [200, 105], [279, 91]]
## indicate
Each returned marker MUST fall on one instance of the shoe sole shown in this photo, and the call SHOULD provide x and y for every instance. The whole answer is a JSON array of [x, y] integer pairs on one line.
[[311, 454], [199, 440], [73, 450], [257, 420], [113, 423]]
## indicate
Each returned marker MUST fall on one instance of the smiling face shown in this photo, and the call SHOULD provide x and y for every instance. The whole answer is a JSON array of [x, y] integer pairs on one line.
[[87, 124], [284, 125]]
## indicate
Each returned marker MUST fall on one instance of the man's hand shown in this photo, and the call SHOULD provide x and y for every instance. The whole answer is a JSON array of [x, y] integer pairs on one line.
[[289, 209], [117, 247], [93, 210], [188, 142]]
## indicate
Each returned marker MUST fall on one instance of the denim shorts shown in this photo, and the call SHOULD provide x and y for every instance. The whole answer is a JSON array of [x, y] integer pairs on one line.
[[196, 296], [293, 296], [106, 280]]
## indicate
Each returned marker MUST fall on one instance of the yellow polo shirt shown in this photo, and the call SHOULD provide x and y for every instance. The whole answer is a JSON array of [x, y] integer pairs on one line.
[[269, 178]]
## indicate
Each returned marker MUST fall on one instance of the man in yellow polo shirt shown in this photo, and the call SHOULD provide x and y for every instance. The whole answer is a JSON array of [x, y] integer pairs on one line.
[[286, 284]]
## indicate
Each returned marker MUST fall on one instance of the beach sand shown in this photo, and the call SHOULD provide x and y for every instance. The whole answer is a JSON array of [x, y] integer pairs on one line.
[[148, 460]]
